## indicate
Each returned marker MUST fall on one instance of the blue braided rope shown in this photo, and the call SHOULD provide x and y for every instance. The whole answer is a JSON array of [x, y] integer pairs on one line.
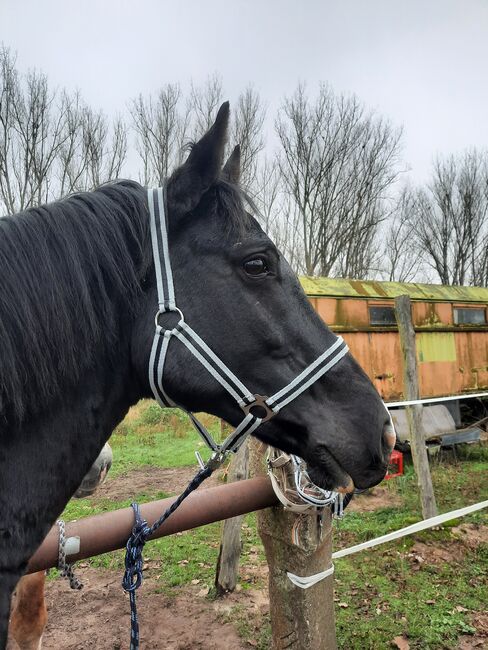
[[134, 560]]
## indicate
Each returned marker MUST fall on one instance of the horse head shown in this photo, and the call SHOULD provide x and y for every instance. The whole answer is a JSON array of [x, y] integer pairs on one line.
[[239, 294]]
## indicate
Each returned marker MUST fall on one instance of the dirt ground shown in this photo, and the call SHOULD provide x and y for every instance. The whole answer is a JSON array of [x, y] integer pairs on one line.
[[151, 480], [98, 617], [465, 536], [373, 499]]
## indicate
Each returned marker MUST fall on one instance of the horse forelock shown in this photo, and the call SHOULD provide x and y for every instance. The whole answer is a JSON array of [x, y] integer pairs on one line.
[[65, 271], [233, 201]]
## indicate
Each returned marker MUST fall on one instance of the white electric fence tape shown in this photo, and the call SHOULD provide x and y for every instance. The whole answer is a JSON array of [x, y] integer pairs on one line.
[[309, 581], [433, 400]]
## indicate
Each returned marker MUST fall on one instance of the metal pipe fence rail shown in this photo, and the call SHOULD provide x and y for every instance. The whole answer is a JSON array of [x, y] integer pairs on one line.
[[109, 531]]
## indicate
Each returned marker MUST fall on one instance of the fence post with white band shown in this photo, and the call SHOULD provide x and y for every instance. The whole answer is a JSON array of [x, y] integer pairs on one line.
[[302, 619]]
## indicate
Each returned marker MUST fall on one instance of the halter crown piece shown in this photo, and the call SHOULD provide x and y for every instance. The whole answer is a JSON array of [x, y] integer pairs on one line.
[[267, 407]]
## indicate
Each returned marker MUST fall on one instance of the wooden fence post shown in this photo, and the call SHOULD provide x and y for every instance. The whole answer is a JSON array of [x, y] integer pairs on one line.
[[420, 458], [301, 619], [230, 544]]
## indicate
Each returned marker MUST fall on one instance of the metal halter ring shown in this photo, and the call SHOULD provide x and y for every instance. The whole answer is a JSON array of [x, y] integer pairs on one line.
[[260, 402], [160, 312]]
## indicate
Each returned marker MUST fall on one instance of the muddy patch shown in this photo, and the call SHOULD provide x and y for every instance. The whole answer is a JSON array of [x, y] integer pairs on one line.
[[479, 640], [374, 499], [466, 537], [471, 535]]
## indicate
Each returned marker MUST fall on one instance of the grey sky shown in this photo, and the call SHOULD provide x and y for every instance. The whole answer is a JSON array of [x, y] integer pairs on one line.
[[422, 63]]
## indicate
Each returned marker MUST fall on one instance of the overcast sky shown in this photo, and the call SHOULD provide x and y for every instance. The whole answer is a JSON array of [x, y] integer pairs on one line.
[[422, 63]]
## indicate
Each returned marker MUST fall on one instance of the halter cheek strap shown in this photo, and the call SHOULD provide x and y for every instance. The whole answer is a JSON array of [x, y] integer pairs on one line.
[[256, 408]]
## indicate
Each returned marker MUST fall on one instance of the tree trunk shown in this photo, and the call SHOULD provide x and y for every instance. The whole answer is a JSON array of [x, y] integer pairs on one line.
[[414, 413]]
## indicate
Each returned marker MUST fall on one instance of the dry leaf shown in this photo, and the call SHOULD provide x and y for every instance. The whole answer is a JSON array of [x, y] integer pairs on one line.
[[343, 605], [195, 581], [401, 643]]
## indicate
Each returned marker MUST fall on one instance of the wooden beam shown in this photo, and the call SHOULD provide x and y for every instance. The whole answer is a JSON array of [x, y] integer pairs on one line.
[[231, 544]]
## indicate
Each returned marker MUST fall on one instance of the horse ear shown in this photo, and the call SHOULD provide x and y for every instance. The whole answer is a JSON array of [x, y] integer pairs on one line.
[[202, 167], [232, 168]]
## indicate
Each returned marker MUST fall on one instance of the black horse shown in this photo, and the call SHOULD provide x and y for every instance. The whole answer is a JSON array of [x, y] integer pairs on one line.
[[77, 306]]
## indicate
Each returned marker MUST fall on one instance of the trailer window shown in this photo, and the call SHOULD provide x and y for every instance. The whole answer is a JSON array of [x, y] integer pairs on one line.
[[382, 315], [469, 316]]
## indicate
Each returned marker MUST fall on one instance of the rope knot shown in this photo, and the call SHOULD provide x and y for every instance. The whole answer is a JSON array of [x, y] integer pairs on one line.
[[134, 560]]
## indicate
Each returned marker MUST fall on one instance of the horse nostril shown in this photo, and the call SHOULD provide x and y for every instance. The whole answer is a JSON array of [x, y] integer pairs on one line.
[[389, 437]]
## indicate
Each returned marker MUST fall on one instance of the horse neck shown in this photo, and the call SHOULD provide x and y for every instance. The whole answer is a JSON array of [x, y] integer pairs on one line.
[[47, 456]]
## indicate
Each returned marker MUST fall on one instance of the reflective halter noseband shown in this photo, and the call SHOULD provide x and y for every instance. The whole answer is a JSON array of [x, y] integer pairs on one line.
[[256, 408]]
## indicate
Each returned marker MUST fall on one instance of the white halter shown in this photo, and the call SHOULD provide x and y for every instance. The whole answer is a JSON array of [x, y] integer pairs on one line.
[[267, 407]]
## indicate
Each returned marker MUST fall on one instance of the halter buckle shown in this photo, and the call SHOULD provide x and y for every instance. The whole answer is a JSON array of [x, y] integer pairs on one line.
[[259, 402]]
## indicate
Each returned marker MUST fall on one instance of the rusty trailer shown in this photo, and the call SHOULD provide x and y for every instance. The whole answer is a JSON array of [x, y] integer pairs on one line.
[[451, 325]]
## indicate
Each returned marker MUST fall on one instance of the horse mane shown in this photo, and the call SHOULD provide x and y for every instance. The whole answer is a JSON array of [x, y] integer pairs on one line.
[[66, 268], [67, 271]]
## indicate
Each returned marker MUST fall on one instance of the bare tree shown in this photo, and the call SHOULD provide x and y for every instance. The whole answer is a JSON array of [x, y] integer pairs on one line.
[[451, 219], [277, 213], [401, 256], [50, 143], [32, 132], [92, 152], [338, 163], [247, 130], [162, 126], [203, 103], [165, 125]]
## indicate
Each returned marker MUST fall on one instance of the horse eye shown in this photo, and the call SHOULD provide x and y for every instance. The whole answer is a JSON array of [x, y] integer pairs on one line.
[[256, 267]]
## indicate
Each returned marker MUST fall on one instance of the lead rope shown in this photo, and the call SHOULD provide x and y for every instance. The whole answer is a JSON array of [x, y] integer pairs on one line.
[[134, 561]]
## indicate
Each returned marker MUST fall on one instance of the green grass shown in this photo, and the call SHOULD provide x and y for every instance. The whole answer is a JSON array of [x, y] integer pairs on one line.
[[387, 597], [256, 633], [151, 436], [387, 592]]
